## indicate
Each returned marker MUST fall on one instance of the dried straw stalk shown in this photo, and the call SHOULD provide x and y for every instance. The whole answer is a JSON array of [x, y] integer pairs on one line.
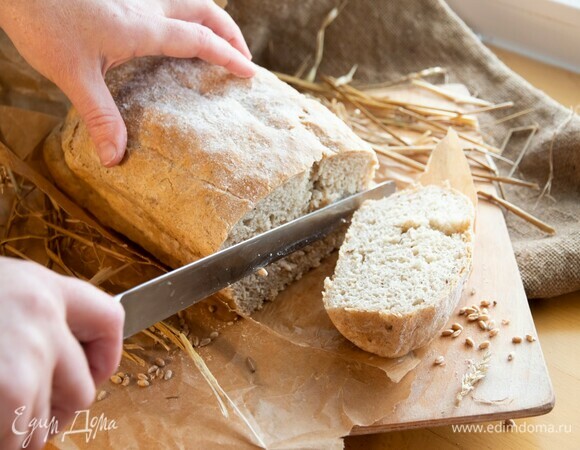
[[374, 117], [517, 211]]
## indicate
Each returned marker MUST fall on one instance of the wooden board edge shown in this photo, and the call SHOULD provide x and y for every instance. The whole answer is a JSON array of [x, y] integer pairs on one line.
[[539, 410]]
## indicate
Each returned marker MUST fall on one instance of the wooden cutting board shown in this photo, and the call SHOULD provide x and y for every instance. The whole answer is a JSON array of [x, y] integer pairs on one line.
[[512, 389]]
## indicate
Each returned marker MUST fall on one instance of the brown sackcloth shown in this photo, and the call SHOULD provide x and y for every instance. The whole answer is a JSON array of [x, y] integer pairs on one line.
[[388, 39]]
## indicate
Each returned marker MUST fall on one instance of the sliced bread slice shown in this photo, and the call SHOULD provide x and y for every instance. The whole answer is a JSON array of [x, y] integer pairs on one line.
[[401, 269]]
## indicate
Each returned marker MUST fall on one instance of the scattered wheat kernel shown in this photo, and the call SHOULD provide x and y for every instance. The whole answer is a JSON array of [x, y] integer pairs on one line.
[[505, 321], [473, 317], [142, 376], [439, 360], [511, 356], [101, 395], [116, 379], [484, 317], [530, 338], [469, 311], [483, 345], [469, 342], [456, 327], [446, 332], [211, 308], [456, 333], [472, 291], [494, 303], [516, 339], [261, 272], [214, 334], [168, 374], [152, 369], [230, 323], [195, 341], [482, 325], [143, 383], [158, 373], [204, 342], [120, 374], [160, 362], [251, 364], [484, 303], [462, 311], [493, 332], [126, 381]]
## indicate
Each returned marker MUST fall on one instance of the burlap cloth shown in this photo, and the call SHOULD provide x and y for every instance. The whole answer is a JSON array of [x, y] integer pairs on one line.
[[388, 39]]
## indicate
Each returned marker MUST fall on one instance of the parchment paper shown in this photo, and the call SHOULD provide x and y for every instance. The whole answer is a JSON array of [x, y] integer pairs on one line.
[[298, 397]]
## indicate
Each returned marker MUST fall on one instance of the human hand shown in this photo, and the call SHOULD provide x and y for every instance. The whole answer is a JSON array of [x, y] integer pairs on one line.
[[60, 338], [74, 42]]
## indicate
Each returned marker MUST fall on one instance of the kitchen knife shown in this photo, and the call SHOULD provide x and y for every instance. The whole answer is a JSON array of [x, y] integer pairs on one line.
[[172, 292]]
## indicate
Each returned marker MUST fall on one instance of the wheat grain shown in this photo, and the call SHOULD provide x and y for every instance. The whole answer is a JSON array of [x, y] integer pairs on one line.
[[439, 360]]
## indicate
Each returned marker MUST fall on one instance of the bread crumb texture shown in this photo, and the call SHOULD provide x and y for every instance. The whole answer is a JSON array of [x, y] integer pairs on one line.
[[401, 269]]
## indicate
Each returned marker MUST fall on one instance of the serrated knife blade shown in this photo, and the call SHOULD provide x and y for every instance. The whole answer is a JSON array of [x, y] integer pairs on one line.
[[174, 291]]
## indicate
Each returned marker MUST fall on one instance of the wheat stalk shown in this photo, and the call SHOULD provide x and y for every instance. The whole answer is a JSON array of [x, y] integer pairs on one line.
[[474, 375]]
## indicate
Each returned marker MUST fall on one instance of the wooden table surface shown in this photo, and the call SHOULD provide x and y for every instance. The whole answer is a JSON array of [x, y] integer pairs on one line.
[[558, 325]]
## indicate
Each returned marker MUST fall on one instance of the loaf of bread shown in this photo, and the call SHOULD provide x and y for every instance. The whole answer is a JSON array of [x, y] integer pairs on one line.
[[401, 269], [212, 160]]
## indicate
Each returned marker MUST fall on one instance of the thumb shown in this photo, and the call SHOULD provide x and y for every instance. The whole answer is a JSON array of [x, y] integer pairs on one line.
[[95, 105]]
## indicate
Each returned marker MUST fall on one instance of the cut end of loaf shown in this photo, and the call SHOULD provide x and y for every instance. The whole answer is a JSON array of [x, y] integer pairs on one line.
[[328, 181], [401, 269]]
